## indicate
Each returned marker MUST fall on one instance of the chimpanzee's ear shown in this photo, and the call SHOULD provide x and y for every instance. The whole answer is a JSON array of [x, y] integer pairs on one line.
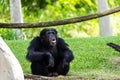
[[43, 32], [55, 31]]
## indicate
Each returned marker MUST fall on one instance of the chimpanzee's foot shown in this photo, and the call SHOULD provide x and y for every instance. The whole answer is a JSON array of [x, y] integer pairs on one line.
[[53, 74]]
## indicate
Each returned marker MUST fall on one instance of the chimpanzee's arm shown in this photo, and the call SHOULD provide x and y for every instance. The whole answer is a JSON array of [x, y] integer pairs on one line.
[[67, 55], [37, 55], [40, 57]]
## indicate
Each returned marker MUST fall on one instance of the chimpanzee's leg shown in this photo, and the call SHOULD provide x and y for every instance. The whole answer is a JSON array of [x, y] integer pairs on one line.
[[39, 69], [62, 69]]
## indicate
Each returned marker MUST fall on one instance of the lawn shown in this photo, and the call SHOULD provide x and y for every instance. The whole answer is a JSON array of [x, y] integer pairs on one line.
[[93, 58]]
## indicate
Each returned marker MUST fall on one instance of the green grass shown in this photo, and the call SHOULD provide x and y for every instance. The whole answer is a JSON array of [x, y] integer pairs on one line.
[[93, 58]]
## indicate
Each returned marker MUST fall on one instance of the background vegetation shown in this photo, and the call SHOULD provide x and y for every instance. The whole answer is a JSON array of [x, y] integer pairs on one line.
[[48, 10], [96, 60]]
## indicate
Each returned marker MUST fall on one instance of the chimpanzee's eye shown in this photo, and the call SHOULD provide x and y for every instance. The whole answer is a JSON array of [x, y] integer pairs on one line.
[[53, 32], [48, 32]]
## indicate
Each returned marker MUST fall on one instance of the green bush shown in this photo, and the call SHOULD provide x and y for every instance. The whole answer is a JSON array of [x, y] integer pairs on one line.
[[60, 9], [63, 10], [7, 34]]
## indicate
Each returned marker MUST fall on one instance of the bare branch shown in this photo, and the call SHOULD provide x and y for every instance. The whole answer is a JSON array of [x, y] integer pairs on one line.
[[38, 77], [59, 22]]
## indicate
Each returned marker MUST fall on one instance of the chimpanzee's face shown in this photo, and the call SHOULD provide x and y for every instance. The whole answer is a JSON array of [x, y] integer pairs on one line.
[[49, 36]]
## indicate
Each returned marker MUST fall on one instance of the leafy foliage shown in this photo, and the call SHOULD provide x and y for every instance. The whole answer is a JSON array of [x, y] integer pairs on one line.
[[49, 10], [62, 10], [4, 10], [7, 34]]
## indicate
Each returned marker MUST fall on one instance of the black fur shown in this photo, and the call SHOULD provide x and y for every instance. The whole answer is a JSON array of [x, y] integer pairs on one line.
[[49, 58], [114, 46]]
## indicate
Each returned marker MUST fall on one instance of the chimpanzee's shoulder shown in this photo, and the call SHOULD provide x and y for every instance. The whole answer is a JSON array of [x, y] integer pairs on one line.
[[61, 42], [35, 40]]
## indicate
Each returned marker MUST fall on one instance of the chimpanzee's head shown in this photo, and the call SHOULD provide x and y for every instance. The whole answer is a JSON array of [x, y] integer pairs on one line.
[[49, 36]]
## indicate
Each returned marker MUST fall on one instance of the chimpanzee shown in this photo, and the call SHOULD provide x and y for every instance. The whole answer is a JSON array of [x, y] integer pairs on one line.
[[49, 54]]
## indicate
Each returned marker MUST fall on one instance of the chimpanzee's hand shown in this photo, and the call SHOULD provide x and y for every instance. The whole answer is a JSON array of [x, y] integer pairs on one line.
[[50, 59], [65, 63]]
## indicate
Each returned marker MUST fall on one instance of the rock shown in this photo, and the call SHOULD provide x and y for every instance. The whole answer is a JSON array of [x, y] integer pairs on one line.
[[10, 68]]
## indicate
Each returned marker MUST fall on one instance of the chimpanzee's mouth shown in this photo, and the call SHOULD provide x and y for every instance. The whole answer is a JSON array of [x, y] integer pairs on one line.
[[53, 40]]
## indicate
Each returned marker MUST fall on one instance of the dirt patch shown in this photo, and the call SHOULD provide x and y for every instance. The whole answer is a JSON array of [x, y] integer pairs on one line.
[[115, 60]]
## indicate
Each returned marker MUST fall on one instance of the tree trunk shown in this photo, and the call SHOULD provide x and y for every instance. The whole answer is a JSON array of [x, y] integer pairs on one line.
[[10, 68], [16, 16], [104, 22]]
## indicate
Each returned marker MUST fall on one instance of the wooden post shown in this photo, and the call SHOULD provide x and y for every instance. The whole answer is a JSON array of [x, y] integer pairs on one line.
[[16, 16], [104, 22], [10, 68]]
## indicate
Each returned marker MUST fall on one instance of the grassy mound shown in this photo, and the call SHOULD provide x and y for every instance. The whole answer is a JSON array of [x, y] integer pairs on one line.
[[93, 58]]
